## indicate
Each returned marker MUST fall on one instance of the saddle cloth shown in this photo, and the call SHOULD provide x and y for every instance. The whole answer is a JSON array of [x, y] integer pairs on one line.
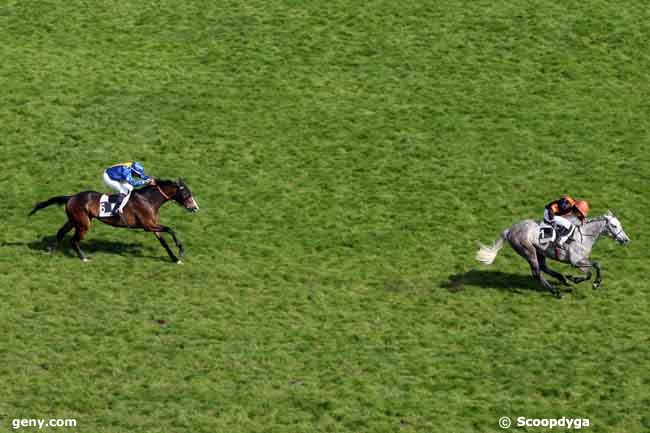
[[107, 204], [547, 234]]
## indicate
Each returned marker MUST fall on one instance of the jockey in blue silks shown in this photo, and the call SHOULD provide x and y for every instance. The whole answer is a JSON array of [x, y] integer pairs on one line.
[[121, 178]]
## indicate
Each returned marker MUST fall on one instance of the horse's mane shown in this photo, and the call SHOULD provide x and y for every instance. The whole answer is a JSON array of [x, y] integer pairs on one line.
[[164, 182], [596, 219]]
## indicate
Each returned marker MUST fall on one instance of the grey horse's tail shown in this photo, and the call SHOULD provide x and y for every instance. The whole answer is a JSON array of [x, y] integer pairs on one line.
[[487, 253]]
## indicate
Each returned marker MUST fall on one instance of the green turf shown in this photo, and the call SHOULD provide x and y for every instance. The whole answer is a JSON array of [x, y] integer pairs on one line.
[[346, 157]]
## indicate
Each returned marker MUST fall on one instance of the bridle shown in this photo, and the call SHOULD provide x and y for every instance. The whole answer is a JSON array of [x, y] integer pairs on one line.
[[603, 218], [618, 233], [168, 197]]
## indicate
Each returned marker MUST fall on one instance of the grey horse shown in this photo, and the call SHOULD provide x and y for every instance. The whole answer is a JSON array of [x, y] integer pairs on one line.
[[524, 239]]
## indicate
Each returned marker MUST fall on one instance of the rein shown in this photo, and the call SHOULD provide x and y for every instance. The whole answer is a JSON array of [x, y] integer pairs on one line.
[[590, 221], [583, 234], [163, 192]]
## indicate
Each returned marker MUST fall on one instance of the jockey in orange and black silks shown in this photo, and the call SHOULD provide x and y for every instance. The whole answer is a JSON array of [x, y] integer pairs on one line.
[[120, 177], [557, 212]]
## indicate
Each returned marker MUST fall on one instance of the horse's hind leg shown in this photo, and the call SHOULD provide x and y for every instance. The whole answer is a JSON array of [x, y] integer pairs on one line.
[[60, 235], [82, 225], [529, 253], [78, 237], [544, 267], [535, 268]]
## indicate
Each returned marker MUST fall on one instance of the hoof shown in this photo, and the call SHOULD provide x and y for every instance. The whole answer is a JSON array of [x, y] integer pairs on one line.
[[85, 259], [595, 285], [179, 262]]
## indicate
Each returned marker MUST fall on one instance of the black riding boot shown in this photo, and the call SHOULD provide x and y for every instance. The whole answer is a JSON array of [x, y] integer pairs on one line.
[[118, 203]]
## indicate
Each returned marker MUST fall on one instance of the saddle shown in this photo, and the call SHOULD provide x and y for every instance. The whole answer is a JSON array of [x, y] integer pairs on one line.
[[548, 235]]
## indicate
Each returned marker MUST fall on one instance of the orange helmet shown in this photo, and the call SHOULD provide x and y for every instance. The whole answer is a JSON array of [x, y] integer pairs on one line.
[[583, 208]]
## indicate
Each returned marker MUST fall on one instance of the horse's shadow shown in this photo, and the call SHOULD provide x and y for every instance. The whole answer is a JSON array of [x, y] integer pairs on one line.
[[490, 280], [90, 246]]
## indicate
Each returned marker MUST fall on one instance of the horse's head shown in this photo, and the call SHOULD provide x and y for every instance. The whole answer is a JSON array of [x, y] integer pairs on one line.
[[614, 229], [179, 192], [184, 196]]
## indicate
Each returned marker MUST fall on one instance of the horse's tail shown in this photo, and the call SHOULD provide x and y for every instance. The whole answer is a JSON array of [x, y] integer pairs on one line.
[[487, 253], [60, 199]]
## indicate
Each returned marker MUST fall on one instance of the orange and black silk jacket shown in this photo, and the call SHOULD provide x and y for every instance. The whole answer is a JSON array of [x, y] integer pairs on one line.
[[561, 207]]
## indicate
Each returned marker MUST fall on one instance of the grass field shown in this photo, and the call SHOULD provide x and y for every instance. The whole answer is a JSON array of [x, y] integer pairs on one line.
[[346, 157]]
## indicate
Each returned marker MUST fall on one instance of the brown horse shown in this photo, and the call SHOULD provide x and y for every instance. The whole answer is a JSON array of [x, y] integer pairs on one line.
[[141, 212]]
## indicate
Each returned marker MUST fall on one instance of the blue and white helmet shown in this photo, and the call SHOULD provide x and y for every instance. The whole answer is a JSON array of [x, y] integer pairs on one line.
[[137, 168]]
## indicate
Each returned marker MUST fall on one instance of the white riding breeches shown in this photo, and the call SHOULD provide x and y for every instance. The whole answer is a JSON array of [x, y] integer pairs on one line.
[[558, 220], [121, 187]]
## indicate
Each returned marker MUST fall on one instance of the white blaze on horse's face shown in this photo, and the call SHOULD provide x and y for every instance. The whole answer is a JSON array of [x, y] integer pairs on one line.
[[194, 206], [615, 229]]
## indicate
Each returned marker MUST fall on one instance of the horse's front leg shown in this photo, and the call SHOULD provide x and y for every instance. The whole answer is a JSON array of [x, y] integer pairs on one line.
[[578, 280], [585, 266], [599, 277], [179, 244], [158, 231], [165, 245]]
